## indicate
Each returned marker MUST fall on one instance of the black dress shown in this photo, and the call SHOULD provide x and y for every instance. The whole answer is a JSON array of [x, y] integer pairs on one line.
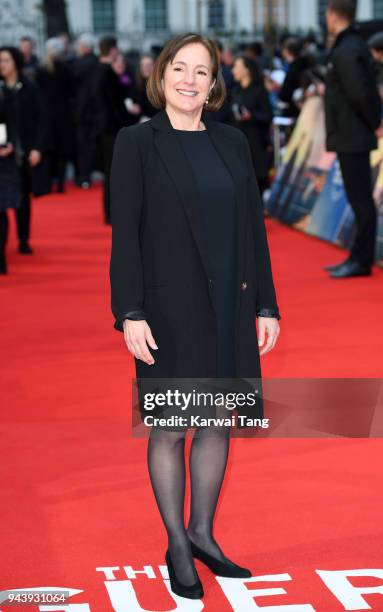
[[217, 209]]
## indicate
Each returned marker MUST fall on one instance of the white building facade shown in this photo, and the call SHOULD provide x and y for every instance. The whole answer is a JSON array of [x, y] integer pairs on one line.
[[151, 21], [141, 23]]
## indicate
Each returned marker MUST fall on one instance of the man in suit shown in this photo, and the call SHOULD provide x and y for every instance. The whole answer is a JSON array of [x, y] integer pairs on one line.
[[353, 110]]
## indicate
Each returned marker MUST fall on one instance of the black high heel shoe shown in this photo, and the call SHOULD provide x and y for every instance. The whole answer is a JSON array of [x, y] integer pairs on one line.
[[220, 568], [192, 591]]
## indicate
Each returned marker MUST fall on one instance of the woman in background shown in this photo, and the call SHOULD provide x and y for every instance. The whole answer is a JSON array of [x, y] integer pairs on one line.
[[120, 67], [21, 114], [253, 114], [145, 69]]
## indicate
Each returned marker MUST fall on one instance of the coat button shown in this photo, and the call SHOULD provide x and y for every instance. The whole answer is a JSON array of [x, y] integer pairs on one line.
[[244, 286]]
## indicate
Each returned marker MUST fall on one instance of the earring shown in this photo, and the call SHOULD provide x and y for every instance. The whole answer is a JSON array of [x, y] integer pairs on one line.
[[207, 101]]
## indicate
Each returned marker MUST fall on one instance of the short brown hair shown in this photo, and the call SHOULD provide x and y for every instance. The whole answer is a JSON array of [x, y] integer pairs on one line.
[[343, 8], [154, 89]]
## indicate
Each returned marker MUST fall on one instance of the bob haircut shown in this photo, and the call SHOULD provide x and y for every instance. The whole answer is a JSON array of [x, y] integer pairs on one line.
[[154, 89]]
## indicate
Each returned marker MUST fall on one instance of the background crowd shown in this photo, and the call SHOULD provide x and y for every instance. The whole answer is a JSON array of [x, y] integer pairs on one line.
[[60, 113]]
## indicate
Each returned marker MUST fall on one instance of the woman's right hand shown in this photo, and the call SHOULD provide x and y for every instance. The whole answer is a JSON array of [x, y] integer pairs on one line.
[[7, 150], [138, 336]]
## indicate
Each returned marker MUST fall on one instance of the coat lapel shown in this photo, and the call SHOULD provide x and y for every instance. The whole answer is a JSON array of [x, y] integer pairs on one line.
[[177, 164]]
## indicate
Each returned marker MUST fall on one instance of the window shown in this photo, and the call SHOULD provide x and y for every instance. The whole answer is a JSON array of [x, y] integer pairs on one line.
[[156, 15], [103, 16], [216, 17], [378, 9], [275, 12]]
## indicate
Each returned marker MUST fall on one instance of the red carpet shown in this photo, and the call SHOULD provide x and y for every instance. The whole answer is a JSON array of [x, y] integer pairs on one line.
[[75, 491]]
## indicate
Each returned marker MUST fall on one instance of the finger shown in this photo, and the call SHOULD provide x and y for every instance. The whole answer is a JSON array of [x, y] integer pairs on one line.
[[269, 344], [150, 340], [145, 354], [261, 333], [136, 351]]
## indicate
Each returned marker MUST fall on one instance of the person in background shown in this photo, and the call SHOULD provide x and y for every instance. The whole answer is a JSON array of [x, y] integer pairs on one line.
[[253, 114], [375, 44], [145, 68], [31, 62], [21, 112], [86, 108], [54, 81], [352, 112], [224, 113], [258, 53], [114, 112], [120, 67], [297, 64]]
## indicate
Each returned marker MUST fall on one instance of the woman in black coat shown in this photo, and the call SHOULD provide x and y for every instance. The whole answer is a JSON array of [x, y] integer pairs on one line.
[[55, 84], [190, 270], [22, 115], [253, 114]]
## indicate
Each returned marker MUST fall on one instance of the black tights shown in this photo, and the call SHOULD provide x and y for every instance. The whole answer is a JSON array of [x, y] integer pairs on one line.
[[166, 463]]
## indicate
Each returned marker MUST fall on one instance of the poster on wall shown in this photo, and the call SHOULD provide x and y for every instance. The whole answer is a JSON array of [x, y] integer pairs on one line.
[[308, 191]]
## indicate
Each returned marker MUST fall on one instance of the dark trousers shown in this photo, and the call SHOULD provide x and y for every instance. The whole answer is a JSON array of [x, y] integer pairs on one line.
[[107, 155], [356, 173], [23, 214], [86, 149]]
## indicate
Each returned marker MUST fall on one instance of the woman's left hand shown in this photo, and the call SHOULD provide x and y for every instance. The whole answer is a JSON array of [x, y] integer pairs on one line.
[[267, 327], [34, 157]]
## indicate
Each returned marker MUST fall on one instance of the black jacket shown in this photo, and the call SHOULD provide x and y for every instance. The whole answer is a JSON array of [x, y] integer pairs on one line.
[[159, 264], [56, 89], [257, 130], [111, 96], [22, 111], [293, 80], [352, 103], [86, 103]]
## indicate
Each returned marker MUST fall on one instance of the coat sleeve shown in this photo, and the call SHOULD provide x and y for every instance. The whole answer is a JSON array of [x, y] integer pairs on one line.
[[265, 299], [356, 76], [126, 202]]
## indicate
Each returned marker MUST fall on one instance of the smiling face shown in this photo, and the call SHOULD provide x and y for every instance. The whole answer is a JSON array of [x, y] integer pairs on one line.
[[188, 79]]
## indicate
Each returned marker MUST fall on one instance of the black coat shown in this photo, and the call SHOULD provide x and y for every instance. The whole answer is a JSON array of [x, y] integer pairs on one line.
[[86, 103], [23, 113], [56, 89], [111, 95], [293, 81], [257, 130], [158, 263], [352, 103]]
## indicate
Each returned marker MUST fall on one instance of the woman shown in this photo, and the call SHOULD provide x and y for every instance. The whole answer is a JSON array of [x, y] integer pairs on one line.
[[21, 113], [120, 67], [55, 84], [189, 269], [145, 69], [253, 113]]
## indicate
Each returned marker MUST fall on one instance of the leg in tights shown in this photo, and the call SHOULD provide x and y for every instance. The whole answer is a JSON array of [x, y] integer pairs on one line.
[[356, 173], [3, 235], [208, 460], [166, 463], [23, 214]]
